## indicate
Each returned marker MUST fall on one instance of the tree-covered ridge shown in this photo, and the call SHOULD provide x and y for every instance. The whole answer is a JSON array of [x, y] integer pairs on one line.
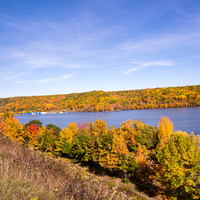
[[107, 101], [158, 160]]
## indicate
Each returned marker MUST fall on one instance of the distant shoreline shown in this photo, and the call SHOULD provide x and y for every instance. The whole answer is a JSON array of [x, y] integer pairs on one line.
[[81, 111]]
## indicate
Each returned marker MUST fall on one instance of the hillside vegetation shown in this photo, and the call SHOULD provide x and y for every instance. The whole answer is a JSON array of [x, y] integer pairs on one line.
[[106, 101], [27, 174], [159, 161]]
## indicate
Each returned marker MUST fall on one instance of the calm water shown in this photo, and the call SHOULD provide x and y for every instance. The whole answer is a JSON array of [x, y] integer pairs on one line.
[[186, 119]]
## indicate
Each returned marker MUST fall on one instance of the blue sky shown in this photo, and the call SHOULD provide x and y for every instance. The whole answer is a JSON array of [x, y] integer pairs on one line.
[[64, 46]]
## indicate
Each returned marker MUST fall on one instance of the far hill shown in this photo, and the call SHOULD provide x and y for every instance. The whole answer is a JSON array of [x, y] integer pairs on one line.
[[98, 101]]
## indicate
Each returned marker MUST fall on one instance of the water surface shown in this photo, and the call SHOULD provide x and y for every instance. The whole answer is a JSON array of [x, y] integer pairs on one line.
[[186, 119]]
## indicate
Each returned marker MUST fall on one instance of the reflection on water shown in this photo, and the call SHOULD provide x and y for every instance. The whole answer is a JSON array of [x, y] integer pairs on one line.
[[186, 119]]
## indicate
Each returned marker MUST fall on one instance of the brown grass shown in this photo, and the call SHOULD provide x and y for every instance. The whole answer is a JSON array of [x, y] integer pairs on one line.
[[27, 174]]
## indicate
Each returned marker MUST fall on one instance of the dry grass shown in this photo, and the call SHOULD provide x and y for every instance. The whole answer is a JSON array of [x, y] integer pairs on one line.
[[27, 174]]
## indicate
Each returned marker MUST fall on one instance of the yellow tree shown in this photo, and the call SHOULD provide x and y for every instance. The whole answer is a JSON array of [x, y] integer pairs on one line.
[[2, 124], [165, 129], [41, 132], [144, 171], [100, 127], [73, 127], [198, 142], [116, 156], [140, 156], [13, 129], [65, 138], [128, 131]]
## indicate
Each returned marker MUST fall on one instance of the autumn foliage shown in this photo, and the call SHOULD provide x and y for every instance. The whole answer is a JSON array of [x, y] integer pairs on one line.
[[148, 156], [99, 101], [165, 129]]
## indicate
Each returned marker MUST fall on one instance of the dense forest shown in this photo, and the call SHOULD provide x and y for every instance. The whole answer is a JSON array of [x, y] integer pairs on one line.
[[160, 161], [96, 101]]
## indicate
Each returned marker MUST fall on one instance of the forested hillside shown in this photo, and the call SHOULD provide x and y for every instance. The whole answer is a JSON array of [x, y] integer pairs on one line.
[[106, 101]]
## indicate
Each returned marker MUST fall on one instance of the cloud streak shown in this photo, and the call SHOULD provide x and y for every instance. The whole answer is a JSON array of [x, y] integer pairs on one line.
[[143, 65], [10, 75], [47, 79], [159, 43]]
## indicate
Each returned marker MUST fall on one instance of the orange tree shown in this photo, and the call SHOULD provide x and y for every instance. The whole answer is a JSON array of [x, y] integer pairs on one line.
[[31, 135]]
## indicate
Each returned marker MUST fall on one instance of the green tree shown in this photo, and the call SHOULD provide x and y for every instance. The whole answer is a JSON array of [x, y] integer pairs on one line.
[[55, 129], [81, 146], [46, 140], [149, 134], [179, 167]]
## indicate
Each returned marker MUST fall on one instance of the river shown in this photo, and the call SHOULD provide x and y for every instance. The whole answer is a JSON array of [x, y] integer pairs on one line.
[[186, 119]]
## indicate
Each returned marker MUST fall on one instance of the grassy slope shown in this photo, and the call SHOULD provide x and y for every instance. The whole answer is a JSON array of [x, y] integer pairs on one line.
[[26, 174]]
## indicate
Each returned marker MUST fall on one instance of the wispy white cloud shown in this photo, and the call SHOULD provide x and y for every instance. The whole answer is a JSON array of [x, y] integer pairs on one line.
[[162, 42], [48, 40], [143, 65], [54, 79], [10, 75], [47, 79], [182, 31], [70, 44]]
